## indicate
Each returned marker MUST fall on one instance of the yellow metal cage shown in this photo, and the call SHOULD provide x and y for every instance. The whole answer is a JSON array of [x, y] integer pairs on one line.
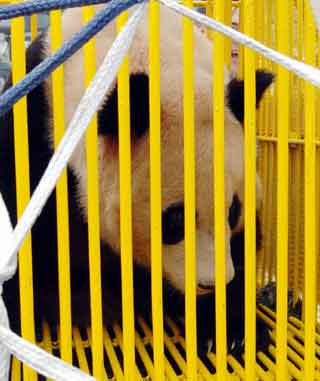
[[288, 129]]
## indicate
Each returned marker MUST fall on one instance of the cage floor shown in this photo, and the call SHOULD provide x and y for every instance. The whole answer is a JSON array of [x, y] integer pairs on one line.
[[175, 364]]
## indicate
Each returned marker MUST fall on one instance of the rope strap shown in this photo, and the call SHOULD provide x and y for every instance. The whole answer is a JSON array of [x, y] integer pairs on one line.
[[301, 69], [90, 102], [46, 67], [8, 269], [38, 6], [28, 353]]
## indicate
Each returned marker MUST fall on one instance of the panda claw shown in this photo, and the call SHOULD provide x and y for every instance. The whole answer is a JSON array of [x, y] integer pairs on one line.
[[205, 347], [209, 345]]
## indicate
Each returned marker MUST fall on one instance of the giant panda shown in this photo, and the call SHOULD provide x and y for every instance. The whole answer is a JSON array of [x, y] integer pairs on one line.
[[44, 234]]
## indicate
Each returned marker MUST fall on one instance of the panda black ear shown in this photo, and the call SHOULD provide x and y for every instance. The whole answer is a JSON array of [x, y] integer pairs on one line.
[[139, 109], [235, 94]]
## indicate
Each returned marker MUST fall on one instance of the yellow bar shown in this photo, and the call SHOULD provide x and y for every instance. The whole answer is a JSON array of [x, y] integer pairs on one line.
[[93, 214], [268, 159], [87, 344], [33, 27], [262, 21], [298, 156], [227, 19], [109, 348], [282, 12], [126, 215], [310, 198], [119, 340], [250, 195], [147, 362], [259, 15], [15, 369], [209, 13], [318, 177], [189, 197], [297, 168], [81, 354], [21, 148], [155, 188], [240, 47], [61, 197], [170, 373], [204, 3], [219, 195]]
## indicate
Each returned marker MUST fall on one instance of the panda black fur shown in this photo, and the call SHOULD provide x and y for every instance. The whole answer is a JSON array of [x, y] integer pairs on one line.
[[44, 233]]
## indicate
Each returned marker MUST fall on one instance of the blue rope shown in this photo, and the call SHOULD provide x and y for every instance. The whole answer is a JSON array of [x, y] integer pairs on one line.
[[38, 6], [46, 67]]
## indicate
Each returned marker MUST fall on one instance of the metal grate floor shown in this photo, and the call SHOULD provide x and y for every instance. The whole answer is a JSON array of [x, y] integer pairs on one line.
[[175, 364]]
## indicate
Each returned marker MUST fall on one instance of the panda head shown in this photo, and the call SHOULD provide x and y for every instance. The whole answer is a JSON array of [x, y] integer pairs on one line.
[[172, 156], [172, 178]]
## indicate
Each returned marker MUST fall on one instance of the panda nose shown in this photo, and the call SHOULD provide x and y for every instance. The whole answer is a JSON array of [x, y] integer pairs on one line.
[[206, 286], [204, 289]]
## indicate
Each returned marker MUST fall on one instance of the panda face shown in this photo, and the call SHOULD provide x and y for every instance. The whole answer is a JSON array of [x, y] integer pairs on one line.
[[172, 177], [172, 142]]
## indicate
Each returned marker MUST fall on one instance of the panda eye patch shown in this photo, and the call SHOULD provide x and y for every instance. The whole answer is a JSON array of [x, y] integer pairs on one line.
[[173, 224], [234, 212]]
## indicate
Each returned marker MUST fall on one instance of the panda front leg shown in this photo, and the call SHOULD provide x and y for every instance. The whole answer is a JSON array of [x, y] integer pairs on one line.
[[206, 325], [206, 318], [235, 319]]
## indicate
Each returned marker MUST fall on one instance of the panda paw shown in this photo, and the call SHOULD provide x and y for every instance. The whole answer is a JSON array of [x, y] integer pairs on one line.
[[267, 296], [206, 346], [263, 341]]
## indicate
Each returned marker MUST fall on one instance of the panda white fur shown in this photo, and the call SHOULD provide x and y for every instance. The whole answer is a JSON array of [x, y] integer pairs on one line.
[[44, 232]]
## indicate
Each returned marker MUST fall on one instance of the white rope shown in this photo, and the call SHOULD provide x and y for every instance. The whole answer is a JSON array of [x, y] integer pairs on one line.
[[36, 358], [88, 106], [30, 354], [302, 70], [7, 271], [39, 360]]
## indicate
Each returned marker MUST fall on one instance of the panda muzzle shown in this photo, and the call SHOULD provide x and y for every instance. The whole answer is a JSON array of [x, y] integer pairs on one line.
[[203, 289]]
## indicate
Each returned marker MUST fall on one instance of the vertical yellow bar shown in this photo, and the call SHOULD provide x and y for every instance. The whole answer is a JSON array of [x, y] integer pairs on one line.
[[298, 253], [155, 188], [240, 47], [126, 215], [310, 223], [61, 197], [189, 196], [33, 27], [261, 164], [219, 196], [93, 214], [209, 13], [259, 16], [266, 157], [21, 148], [282, 12], [317, 206], [227, 19], [250, 195]]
